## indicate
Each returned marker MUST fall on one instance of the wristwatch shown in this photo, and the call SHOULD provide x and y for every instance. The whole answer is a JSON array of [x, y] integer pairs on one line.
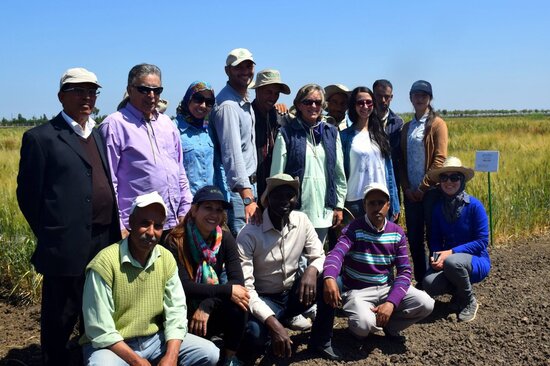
[[248, 200]]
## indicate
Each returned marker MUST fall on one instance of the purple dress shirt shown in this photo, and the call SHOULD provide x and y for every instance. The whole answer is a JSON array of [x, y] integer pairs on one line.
[[145, 157]]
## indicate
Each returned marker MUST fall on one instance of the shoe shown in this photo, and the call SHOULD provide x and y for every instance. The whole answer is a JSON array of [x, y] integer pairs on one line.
[[299, 322], [394, 337], [233, 361], [327, 352], [311, 313], [468, 313]]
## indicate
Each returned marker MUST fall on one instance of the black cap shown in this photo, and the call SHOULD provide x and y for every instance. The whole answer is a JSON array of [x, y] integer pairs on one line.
[[422, 86], [211, 193]]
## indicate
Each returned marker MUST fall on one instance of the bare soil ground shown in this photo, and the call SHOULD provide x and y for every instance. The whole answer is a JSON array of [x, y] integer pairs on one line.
[[512, 326]]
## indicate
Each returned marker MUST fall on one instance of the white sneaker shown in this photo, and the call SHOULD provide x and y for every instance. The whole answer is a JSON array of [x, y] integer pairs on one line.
[[299, 322]]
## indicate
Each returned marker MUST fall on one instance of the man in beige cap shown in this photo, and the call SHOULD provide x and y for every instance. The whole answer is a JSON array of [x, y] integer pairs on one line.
[[67, 197], [268, 86], [234, 120], [337, 96]]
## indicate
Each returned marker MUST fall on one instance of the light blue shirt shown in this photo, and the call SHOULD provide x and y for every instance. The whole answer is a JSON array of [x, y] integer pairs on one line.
[[200, 159], [234, 120], [416, 153]]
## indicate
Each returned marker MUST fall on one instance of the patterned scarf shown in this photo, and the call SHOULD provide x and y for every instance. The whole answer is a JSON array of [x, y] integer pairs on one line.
[[183, 108], [203, 254], [453, 205]]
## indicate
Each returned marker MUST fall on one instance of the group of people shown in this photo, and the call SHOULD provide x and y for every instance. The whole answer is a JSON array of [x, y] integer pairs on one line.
[[244, 197]]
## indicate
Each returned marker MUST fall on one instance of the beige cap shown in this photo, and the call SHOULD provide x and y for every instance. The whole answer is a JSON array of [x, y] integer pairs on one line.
[[277, 180], [332, 89], [451, 164], [270, 76], [145, 200], [237, 56], [376, 187], [78, 75]]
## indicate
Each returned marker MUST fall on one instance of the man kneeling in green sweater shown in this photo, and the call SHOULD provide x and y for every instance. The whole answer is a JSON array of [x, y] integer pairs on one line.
[[134, 305]]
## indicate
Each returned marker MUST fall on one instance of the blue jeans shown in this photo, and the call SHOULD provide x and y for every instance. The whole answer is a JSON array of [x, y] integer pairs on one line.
[[235, 216], [193, 351]]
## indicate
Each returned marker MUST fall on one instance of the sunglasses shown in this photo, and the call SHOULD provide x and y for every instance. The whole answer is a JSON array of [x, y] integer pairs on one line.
[[142, 89], [83, 92], [309, 102], [453, 177], [199, 99], [364, 102]]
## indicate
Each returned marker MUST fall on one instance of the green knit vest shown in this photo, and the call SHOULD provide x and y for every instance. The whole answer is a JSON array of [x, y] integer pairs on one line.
[[138, 294]]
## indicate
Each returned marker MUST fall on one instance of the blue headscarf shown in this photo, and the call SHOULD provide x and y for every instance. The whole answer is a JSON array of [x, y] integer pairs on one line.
[[183, 108]]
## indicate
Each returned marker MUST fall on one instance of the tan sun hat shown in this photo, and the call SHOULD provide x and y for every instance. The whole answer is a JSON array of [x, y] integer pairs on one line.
[[277, 180], [237, 56], [270, 76], [332, 89], [451, 164], [78, 75]]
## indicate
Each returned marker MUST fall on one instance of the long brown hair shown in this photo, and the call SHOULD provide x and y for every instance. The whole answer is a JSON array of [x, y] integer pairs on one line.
[[177, 239]]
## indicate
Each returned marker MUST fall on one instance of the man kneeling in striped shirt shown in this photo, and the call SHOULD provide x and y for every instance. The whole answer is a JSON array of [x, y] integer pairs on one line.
[[366, 254]]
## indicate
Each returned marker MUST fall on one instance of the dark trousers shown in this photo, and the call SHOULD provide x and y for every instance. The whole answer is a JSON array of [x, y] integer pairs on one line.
[[418, 220], [62, 306], [229, 319], [286, 305], [60, 310]]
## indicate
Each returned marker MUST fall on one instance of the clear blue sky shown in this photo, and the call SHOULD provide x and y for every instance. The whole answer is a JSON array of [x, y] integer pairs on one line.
[[477, 54]]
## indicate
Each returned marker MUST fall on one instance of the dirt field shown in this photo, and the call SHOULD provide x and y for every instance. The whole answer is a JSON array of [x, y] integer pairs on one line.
[[512, 326]]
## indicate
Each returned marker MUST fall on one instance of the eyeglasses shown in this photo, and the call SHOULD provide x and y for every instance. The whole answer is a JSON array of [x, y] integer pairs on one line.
[[309, 102], [199, 99], [453, 177], [364, 102], [373, 203], [82, 92], [157, 90]]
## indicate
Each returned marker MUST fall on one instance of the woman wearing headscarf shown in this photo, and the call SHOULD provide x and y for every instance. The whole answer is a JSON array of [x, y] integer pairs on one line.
[[459, 240], [424, 147], [210, 271], [200, 155]]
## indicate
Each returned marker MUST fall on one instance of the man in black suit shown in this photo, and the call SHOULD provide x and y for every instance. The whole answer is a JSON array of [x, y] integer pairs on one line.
[[65, 192]]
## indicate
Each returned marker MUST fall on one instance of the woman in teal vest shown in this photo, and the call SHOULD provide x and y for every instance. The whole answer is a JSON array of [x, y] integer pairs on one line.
[[210, 271]]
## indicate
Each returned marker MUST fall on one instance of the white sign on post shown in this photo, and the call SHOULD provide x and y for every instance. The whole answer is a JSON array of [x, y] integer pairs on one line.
[[487, 161]]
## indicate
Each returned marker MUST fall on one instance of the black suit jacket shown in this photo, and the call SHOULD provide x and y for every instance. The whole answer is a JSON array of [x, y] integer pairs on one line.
[[54, 191]]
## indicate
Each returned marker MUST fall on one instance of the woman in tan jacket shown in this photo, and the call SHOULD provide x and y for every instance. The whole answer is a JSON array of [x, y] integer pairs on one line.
[[424, 147]]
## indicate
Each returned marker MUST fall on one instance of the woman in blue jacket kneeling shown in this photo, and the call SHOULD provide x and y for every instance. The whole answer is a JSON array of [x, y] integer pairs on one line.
[[459, 240]]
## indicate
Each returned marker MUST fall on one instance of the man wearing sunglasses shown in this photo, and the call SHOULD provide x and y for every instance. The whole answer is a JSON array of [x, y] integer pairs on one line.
[[234, 121], [66, 195], [144, 150]]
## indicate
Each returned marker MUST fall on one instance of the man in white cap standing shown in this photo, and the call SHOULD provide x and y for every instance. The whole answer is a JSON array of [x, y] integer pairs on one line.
[[64, 190], [268, 87], [134, 305], [234, 120]]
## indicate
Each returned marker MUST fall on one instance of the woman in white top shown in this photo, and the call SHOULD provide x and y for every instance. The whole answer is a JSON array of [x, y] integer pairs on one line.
[[367, 153]]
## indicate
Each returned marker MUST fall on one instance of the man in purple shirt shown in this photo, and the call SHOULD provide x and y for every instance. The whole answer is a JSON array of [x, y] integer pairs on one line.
[[144, 149], [367, 252]]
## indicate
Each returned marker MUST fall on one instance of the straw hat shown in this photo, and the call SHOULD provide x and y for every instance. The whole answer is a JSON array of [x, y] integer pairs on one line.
[[451, 164], [277, 180]]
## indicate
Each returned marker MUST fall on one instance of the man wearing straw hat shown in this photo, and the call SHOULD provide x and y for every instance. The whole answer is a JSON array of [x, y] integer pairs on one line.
[[270, 255], [268, 86]]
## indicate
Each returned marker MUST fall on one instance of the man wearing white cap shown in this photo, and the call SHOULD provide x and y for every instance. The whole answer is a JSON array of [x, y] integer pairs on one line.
[[367, 253], [134, 305], [234, 120], [65, 193], [268, 86]]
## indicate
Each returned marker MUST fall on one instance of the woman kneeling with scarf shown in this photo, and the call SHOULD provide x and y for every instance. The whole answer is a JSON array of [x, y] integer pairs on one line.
[[210, 271]]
